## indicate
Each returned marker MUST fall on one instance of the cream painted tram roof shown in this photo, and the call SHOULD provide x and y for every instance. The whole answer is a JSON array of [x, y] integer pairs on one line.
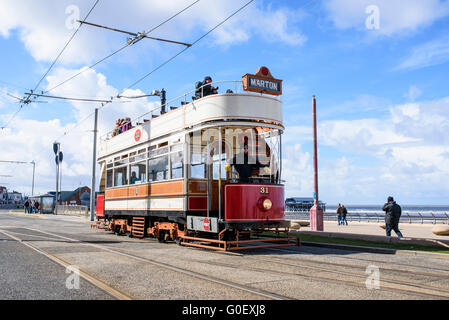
[[211, 108]]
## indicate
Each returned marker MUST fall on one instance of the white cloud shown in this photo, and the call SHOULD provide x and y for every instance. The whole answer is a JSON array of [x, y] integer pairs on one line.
[[28, 140], [396, 16], [428, 54], [413, 93], [364, 160], [42, 25]]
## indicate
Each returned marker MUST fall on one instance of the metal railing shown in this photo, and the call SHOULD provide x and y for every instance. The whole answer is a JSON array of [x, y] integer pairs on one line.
[[72, 210], [372, 216]]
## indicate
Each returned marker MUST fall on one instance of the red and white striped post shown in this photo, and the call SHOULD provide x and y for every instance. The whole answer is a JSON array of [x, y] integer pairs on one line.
[[316, 213]]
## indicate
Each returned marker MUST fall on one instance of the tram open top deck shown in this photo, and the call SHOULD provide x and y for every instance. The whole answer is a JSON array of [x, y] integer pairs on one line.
[[232, 108]]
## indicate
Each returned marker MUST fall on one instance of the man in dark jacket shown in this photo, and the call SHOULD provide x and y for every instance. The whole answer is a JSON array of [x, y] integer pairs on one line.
[[245, 164], [27, 206], [339, 214], [392, 214], [344, 212], [206, 88]]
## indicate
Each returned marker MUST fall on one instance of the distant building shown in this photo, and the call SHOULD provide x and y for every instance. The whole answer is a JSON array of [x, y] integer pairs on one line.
[[301, 204], [78, 197], [14, 197]]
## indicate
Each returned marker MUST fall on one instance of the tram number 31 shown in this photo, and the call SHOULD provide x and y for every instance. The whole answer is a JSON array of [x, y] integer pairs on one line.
[[264, 190]]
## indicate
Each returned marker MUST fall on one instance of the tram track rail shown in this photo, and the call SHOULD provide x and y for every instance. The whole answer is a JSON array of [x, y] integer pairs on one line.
[[259, 292], [389, 283], [356, 274]]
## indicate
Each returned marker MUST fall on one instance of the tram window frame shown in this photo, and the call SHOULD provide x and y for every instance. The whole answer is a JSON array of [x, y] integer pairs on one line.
[[197, 168], [110, 183], [180, 164], [118, 170], [144, 173], [165, 173], [158, 152]]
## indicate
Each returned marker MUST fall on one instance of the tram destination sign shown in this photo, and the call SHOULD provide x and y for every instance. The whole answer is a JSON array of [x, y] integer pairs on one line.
[[262, 82]]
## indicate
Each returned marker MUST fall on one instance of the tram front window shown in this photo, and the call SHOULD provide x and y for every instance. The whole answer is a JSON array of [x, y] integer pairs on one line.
[[248, 154], [256, 157]]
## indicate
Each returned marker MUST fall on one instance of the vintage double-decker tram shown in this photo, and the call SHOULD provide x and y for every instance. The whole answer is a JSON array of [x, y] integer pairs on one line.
[[205, 174]]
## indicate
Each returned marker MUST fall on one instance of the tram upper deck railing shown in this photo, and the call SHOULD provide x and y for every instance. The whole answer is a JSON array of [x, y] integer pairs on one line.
[[235, 85]]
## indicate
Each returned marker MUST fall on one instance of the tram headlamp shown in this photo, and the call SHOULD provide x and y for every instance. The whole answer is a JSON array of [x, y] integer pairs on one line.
[[227, 167], [267, 204]]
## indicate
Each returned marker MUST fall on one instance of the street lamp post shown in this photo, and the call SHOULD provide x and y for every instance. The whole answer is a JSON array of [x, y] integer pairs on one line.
[[316, 212]]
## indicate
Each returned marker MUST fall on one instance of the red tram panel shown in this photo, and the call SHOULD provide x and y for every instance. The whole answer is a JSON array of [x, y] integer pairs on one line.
[[100, 206], [244, 202]]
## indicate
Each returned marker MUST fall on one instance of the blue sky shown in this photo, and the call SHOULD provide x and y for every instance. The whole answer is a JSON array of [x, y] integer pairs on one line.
[[382, 93]]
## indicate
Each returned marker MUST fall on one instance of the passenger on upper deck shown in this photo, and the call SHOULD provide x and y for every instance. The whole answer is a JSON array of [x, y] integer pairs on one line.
[[204, 88], [126, 124]]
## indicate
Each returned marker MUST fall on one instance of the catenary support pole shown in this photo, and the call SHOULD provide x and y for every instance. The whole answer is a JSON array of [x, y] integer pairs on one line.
[[316, 213], [94, 165], [32, 184], [57, 177]]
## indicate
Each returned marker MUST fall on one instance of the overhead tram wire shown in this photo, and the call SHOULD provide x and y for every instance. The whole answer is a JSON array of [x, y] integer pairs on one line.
[[167, 61], [74, 99], [110, 55], [51, 66], [193, 43], [122, 48], [66, 45]]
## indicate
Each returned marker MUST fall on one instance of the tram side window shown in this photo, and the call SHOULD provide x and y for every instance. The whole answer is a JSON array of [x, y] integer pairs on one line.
[[121, 176], [138, 173], [177, 165], [198, 168], [158, 169], [109, 178]]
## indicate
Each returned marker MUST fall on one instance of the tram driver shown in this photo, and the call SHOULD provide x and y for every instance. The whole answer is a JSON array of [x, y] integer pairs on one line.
[[245, 164]]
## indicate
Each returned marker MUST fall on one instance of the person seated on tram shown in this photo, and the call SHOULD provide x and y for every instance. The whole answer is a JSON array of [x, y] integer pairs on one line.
[[245, 163], [134, 178]]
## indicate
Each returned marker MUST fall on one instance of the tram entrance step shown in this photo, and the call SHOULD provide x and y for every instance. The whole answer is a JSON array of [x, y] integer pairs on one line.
[[99, 224], [138, 227]]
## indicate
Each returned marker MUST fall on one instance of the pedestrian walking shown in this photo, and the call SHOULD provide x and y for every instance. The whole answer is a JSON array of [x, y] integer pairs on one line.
[[392, 215], [339, 214], [27, 206], [344, 212]]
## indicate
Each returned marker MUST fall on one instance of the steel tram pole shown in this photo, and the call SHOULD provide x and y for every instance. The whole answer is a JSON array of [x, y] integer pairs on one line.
[[94, 164], [32, 184], [316, 212]]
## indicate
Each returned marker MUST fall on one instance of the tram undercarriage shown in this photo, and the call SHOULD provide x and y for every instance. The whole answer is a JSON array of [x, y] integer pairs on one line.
[[229, 236]]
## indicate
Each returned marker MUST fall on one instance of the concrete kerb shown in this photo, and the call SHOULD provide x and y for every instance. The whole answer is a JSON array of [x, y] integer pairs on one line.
[[375, 238]]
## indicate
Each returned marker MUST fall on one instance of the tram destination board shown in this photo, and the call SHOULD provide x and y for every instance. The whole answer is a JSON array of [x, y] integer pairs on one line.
[[262, 84]]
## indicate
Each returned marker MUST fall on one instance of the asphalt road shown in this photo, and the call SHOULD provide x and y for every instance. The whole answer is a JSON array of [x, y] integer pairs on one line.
[[27, 274], [146, 269]]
